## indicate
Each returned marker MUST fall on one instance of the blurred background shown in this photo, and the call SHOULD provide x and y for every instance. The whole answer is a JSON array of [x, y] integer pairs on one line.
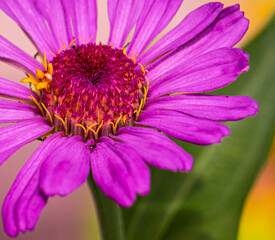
[[73, 217]]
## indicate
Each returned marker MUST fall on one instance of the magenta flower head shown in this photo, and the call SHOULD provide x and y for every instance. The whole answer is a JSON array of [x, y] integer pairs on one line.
[[107, 108]]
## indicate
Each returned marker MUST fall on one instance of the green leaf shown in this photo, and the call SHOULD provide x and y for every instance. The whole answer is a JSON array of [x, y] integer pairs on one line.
[[207, 203]]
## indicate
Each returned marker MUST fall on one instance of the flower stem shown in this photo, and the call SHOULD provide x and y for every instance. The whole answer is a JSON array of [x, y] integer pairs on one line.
[[108, 213]]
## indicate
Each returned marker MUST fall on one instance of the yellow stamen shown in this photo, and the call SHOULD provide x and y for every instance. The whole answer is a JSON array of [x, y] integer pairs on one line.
[[52, 54], [97, 130], [112, 45], [145, 71], [88, 128], [124, 118], [146, 90], [37, 103], [45, 79], [42, 85], [60, 50], [64, 45], [142, 68], [145, 93], [112, 124], [85, 131], [44, 62], [82, 40], [71, 43], [147, 82], [115, 125], [50, 68], [39, 74], [134, 57], [30, 79], [92, 125], [50, 116], [91, 39], [64, 123], [117, 121], [139, 109], [124, 51], [80, 125]]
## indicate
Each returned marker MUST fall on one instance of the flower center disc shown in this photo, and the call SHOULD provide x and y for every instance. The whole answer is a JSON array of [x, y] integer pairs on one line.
[[94, 85]]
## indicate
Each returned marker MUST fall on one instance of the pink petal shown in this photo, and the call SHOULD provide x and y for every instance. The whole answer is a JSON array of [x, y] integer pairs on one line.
[[204, 73], [155, 148], [19, 211], [122, 19], [227, 30], [193, 24], [82, 16], [17, 135], [66, 168], [154, 17], [15, 56], [53, 12], [217, 108], [28, 18], [137, 168], [184, 127], [13, 111], [119, 171], [13, 89]]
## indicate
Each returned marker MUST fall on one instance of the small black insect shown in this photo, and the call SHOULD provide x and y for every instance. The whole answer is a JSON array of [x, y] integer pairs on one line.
[[79, 53], [93, 146]]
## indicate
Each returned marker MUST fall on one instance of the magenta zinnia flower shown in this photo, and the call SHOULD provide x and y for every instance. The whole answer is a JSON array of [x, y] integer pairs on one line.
[[104, 108]]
